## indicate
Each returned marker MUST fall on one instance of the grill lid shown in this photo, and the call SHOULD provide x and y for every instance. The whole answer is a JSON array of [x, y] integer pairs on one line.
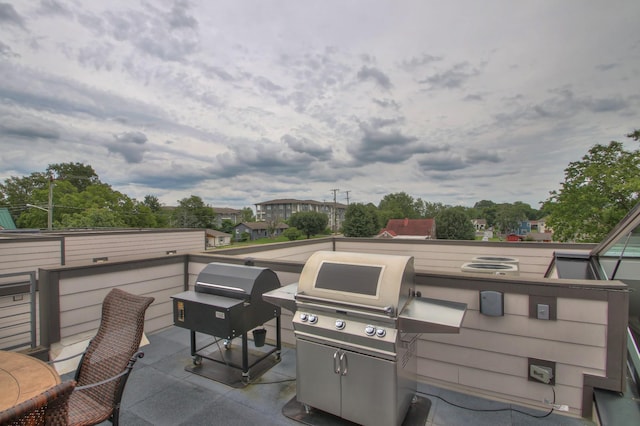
[[368, 280], [236, 281]]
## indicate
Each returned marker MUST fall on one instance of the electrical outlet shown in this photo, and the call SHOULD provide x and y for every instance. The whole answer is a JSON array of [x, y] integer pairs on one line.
[[541, 373]]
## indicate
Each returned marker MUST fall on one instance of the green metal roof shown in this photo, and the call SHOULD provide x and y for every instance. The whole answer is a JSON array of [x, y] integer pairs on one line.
[[6, 222]]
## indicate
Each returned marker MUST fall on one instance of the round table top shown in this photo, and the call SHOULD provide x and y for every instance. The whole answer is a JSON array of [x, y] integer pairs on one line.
[[23, 377]]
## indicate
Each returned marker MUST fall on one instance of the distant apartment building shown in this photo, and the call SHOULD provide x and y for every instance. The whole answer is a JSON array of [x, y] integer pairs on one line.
[[224, 213], [283, 209]]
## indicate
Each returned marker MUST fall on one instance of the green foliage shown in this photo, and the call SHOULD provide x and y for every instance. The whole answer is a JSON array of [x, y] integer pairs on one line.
[[398, 205], [193, 213], [227, 226], [361, 221], [309, 223], [509, 217], [598, 191], [454, 224], [93, 217], [247, 215], [292, 233]]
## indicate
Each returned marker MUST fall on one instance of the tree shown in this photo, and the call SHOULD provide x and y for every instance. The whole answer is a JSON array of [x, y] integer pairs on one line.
[[193, 213], [227, 226], [309, 223], [247, 215], [398, 205], [79, 175], [454, 224], [509, 217], [432, 210], [361, 220], [598, 191], [292, 233]]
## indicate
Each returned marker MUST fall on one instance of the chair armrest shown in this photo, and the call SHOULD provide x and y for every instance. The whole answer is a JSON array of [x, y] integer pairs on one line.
[[66, 359], [126, 371]]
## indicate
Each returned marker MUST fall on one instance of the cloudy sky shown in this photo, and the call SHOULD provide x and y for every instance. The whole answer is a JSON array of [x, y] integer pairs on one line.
[[241, 102]]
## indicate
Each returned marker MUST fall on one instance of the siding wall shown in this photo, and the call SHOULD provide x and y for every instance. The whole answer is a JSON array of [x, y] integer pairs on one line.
[[488, 357], [449, 256], [116, 246], [81, 296], [29, 254], [490, 354]]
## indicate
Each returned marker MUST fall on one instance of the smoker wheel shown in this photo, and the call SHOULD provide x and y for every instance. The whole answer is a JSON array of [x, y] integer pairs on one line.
[[226, 343], [197, 360]]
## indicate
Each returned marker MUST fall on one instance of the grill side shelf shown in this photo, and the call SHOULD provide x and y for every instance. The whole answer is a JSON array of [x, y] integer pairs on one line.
[[284, 297], [424, 315]]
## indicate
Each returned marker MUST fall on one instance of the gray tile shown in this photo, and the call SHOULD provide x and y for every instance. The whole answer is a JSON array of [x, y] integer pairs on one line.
[[173, 404], [230, 413]]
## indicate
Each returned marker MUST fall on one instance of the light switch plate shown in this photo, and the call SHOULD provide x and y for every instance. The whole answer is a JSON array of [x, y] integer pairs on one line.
[[543, 311]]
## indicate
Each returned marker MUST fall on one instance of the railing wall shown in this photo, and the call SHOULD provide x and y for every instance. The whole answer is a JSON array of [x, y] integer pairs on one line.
[[489, 357]]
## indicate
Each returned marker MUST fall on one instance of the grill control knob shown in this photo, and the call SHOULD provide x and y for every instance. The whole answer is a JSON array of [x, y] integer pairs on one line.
[[369, 330], [381, 332], [340, 324], [304, 317], [313, 319]]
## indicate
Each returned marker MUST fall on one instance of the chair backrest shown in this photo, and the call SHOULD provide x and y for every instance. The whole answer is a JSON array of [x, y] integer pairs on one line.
[[48, 408], [116, 341]]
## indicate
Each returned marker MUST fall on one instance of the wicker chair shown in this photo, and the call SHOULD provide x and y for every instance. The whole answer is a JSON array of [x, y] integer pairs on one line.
[[108, 360], [48, 408]]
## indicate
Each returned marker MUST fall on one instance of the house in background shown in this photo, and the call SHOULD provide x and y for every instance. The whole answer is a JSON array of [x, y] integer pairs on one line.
[[420, 229], [479, 224], [6, 221], [257, 230], [216, 238], [224, 213]]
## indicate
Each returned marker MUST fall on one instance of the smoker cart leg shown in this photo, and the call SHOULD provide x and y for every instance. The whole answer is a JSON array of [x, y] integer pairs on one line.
[[193, 343], [245, 359], [197, 359], [278, 338]]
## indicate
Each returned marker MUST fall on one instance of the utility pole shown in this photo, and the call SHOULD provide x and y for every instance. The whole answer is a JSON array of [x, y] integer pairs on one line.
[[347, 192], [335, 190], [50, 209]]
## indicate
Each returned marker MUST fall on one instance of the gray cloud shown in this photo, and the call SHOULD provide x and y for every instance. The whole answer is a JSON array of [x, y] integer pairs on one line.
[[53, 7], [419, 62], [179, 16], [28, 128], [9, 16], [387, 103], [453, 78], [306, 146], [131, 145], [374, 74], [5, 50]]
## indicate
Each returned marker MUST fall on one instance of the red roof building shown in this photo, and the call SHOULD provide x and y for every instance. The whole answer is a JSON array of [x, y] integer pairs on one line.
[[424, 229]]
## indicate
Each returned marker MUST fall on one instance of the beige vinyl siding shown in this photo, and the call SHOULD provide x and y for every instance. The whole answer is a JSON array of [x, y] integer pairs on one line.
[[123, 246], [25, 255], [81, 297], [444, 256], [15, 328], [490, 353]]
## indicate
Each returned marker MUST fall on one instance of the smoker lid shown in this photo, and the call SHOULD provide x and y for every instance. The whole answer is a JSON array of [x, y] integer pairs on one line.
[[376, 280], [235, 280]]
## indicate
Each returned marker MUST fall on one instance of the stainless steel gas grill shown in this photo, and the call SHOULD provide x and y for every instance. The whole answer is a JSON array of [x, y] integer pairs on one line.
[[356, 324], [227, 303]]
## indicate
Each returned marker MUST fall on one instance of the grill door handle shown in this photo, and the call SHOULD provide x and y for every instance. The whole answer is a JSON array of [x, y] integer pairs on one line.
[[336, 363], [343, 363]]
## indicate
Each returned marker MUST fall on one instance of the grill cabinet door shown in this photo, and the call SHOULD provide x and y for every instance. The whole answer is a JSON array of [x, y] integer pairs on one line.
[[317, 383], [369, 390]]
